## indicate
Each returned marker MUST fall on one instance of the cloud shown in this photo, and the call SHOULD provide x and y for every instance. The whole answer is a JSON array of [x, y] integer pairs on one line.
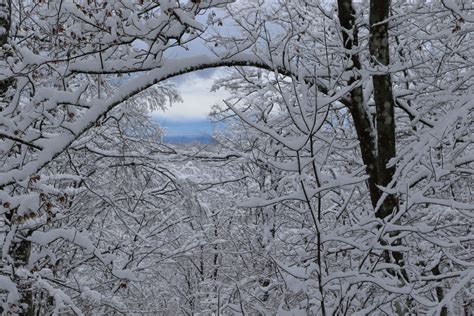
[[197, 97]]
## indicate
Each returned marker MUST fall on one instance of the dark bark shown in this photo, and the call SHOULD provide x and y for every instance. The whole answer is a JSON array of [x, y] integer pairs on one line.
[[360, 116], [385, 116], [377, 145], [384, 100]]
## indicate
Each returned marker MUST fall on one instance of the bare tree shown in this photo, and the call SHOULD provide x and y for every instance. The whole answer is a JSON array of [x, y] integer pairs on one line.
[[378, 93]]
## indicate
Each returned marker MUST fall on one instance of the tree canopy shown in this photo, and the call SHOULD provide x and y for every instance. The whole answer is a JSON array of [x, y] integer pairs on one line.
[[342, 183]]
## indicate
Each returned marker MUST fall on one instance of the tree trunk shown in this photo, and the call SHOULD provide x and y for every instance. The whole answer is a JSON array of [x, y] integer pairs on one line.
[[377, 144], [384, 100], [385, 119], [360, 116]]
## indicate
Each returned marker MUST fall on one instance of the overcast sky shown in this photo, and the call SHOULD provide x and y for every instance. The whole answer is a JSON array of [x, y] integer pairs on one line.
[[197, 97], [189, 118]]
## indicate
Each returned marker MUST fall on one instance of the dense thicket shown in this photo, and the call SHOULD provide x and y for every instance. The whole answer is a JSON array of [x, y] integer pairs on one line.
[[342, 183]]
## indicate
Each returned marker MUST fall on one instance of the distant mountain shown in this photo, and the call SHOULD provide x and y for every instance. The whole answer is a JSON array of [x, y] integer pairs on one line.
[[186, 130], [177, 139]]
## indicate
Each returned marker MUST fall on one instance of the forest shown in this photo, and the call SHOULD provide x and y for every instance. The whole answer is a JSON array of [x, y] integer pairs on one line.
[[342, 183]]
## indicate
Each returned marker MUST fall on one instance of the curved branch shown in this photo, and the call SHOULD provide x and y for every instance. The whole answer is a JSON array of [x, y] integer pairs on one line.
[[55, 146]]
